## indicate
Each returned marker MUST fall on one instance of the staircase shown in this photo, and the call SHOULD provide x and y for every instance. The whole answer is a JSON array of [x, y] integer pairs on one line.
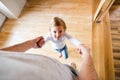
[[115, 32]]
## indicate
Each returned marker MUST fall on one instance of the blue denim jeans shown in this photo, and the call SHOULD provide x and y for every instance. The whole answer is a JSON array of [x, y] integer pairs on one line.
[[64, 52]]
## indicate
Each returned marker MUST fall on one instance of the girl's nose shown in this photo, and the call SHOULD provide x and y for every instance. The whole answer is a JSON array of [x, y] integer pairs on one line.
[[57, 35]]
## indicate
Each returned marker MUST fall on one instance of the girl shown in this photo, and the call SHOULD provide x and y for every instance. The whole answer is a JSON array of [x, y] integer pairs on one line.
[[57, 34]]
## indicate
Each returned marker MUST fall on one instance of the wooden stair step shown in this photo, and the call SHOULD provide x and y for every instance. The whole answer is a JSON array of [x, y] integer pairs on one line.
[[117, 78], [117, 64], [116, 50], [117, 67], [115, 37], [116, 56]]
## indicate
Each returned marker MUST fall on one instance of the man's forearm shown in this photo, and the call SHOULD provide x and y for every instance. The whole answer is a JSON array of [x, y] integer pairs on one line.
[[22, 47], [87, 71]]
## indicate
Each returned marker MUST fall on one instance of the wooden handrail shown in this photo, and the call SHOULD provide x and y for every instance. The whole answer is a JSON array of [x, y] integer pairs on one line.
[[98, 9], [101, 10]]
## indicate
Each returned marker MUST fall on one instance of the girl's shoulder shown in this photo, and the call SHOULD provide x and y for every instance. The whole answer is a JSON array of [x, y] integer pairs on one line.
[[67, 35], [48, 36]]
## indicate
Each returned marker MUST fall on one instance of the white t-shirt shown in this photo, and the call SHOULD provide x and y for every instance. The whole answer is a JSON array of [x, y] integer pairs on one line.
[[24, 66], [59, 44]]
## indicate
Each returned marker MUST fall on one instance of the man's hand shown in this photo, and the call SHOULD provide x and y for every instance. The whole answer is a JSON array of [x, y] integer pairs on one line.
[[79, 48], [38, 42], [83, 50]]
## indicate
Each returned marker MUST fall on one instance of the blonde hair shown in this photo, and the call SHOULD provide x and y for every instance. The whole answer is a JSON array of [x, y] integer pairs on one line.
[[56, 21]]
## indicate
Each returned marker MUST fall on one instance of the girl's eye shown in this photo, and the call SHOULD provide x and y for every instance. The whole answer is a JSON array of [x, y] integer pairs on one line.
[[60, 31], [54, 31]]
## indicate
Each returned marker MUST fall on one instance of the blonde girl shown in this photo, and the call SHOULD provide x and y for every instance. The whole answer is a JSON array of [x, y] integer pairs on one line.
[[57, 34]]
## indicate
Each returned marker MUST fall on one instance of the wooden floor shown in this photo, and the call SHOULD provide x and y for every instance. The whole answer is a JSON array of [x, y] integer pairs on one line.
[[34, 21]]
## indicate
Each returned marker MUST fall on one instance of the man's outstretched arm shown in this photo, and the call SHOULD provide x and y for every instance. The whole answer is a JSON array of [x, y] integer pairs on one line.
[[22, 47], [87, 70]]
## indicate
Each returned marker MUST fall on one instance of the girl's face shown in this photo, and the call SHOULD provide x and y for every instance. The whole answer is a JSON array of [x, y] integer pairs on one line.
[[57, 32]]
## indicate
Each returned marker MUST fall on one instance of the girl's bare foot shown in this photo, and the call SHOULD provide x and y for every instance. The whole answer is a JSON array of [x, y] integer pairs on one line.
[[73, 65], [60, 55]]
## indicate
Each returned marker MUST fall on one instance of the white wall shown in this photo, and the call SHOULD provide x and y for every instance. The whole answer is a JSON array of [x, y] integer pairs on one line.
[[12, 8], [2, 19]]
